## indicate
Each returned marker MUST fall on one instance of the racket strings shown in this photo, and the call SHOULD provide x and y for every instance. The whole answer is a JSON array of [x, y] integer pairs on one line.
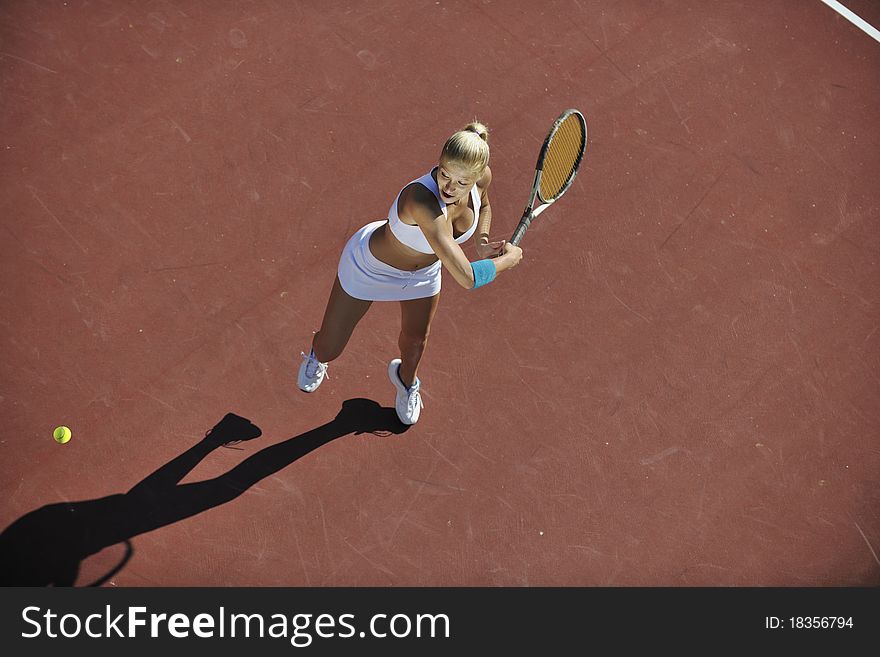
[[562, 157]]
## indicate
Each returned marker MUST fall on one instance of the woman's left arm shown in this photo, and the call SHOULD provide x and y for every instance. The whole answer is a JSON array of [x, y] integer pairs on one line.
[[485, 248]]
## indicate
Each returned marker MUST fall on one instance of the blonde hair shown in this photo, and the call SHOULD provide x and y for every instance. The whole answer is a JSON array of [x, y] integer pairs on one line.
[[468, 147]]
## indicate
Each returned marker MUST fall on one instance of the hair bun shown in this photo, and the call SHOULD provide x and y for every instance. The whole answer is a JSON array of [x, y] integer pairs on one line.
[[479, 129]]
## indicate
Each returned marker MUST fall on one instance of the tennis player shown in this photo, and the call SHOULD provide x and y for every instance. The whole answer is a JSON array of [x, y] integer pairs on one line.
[[400, 259]]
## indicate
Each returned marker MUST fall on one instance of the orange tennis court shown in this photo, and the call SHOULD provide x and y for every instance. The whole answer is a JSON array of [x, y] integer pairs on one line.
[[678, 386]]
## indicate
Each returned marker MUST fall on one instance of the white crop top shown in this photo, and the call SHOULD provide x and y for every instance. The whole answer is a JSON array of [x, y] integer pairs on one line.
[[413, 236]]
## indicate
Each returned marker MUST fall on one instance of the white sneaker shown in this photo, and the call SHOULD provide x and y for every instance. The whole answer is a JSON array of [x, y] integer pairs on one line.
[[409, 402], [311, 372]]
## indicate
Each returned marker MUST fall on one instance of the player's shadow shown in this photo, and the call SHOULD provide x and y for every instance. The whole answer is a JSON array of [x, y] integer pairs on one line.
[[46, 547]]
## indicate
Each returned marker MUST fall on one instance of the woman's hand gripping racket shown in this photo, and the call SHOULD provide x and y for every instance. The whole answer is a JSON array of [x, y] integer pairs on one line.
[[558, 163]]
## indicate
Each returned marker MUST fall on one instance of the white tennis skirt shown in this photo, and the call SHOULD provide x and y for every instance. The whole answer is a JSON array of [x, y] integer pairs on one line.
[[365, 277]]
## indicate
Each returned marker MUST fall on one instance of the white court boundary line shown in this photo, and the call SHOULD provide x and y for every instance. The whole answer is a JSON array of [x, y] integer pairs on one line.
[[863, 25]]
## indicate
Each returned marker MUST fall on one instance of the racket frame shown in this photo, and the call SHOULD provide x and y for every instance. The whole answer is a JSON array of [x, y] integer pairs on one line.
[[530, 213]]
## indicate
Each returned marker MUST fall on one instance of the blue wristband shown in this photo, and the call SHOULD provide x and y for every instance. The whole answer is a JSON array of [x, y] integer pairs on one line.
[[484, 273]]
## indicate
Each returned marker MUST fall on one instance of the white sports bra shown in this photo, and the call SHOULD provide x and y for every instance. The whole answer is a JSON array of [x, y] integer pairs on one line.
[[413, 236]]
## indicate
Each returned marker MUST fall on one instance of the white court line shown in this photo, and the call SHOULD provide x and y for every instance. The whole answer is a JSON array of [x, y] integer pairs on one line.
[[863, 25]]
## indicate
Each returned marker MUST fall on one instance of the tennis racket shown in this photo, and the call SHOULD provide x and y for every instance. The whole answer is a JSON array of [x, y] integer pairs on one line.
[[558, 162]]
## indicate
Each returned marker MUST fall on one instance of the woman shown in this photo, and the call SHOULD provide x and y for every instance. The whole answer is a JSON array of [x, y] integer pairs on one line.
[[400, 260]]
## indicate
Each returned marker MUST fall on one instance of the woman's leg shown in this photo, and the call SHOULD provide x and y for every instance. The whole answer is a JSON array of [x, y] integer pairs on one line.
[[415, 324], [342, 314]]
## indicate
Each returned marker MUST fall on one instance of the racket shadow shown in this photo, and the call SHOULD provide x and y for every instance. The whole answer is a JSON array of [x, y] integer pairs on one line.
[[47, 546]]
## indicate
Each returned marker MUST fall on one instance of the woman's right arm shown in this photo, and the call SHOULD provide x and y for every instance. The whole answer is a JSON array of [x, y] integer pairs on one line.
[[422, 209]]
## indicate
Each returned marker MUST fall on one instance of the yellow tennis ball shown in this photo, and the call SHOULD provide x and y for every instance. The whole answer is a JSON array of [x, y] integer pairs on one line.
[[61, 434]]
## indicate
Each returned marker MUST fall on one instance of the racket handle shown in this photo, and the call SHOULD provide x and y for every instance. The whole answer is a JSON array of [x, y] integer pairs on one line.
[[521, 229]]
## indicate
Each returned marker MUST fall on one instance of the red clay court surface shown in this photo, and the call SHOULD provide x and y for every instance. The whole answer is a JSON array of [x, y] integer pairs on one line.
[[678, 386]]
